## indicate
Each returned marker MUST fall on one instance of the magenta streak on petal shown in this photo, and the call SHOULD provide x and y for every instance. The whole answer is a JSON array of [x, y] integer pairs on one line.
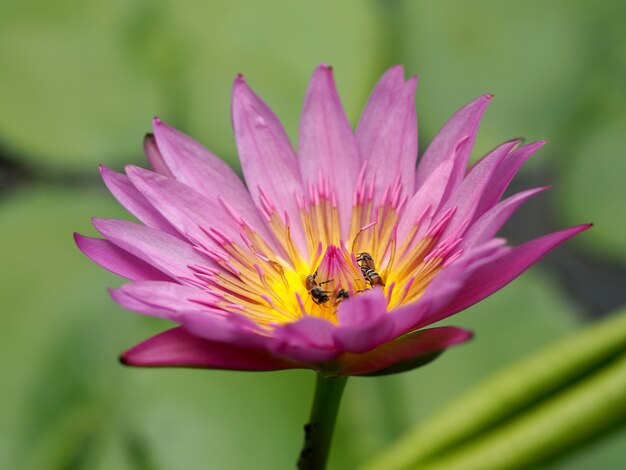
[[463, 123], [391, 150], [116, 260], [309, 339], [188, 211], [504, 174], [158, 299], [194, 165], [326, 144], [160, 250], [467, 195], [494, 275], [403, 353], [363, 322], [154, 157], [121, 187], [267, 157], [488, 225], [178, 348]]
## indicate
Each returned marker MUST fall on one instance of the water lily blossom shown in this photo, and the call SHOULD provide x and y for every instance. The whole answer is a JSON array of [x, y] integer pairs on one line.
[[336, 256]]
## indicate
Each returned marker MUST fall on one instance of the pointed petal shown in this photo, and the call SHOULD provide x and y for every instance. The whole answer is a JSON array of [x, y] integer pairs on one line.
[[121, 187], [116, 260], [379, 105], [464, 123], [494, 275], [308, 340], [390, 148], [327, 148], [185, 209], [446, 285], [267, 159], [177, 348], [363, 322], [408, 352], [154, 157], [194, 165], [488, 225], [467, 195], [504, 174], [158, 299], [160, 250]]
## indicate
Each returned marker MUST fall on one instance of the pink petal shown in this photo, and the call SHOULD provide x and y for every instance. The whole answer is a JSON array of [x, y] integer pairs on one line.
[[408, 352], [492, 221], [390, 148], [327, 148], [307, 340], [121, 187], [494, 275], [464, 123], [379, 106], [504, 174], [158, 299], [177, 348], [116, 260], [154, 157], [267, 159], [363, 322], [446, 285], [160, 250], [194, 165], [425, 201], [467, 195], [185, 209], [226, 327]]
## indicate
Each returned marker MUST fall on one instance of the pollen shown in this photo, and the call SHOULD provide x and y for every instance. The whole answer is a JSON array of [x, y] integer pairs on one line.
[[282, 279]]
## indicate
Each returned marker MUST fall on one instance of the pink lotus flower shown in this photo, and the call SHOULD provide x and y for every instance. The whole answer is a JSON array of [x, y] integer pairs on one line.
[[336, 257]]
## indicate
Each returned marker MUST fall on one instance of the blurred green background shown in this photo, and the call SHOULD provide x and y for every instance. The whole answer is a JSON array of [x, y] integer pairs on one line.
[[79, 82]]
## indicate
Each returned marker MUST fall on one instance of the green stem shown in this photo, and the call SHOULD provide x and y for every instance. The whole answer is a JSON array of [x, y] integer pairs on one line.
[[318, 432]]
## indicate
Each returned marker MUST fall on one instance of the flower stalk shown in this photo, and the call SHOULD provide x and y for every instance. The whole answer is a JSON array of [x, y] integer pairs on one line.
[[318, 432]]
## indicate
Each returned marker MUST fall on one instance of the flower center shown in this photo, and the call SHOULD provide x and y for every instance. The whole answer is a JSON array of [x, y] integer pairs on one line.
[[288, 276]]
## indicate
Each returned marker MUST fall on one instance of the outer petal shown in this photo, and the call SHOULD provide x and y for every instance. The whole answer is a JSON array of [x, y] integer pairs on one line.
[[504, 174], [194, 165], [405, 353], [491, 221], [158, 299], [390, 147], [463, 124], [267, 159], [160, 250], [177, 348], [494, 275], [308, 340], [184, 208], [154, 156], [467, 195], [226, 328], [446, 285], [379, 106], [121, 187], [363, 322], [327, 148], [116, 260]]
